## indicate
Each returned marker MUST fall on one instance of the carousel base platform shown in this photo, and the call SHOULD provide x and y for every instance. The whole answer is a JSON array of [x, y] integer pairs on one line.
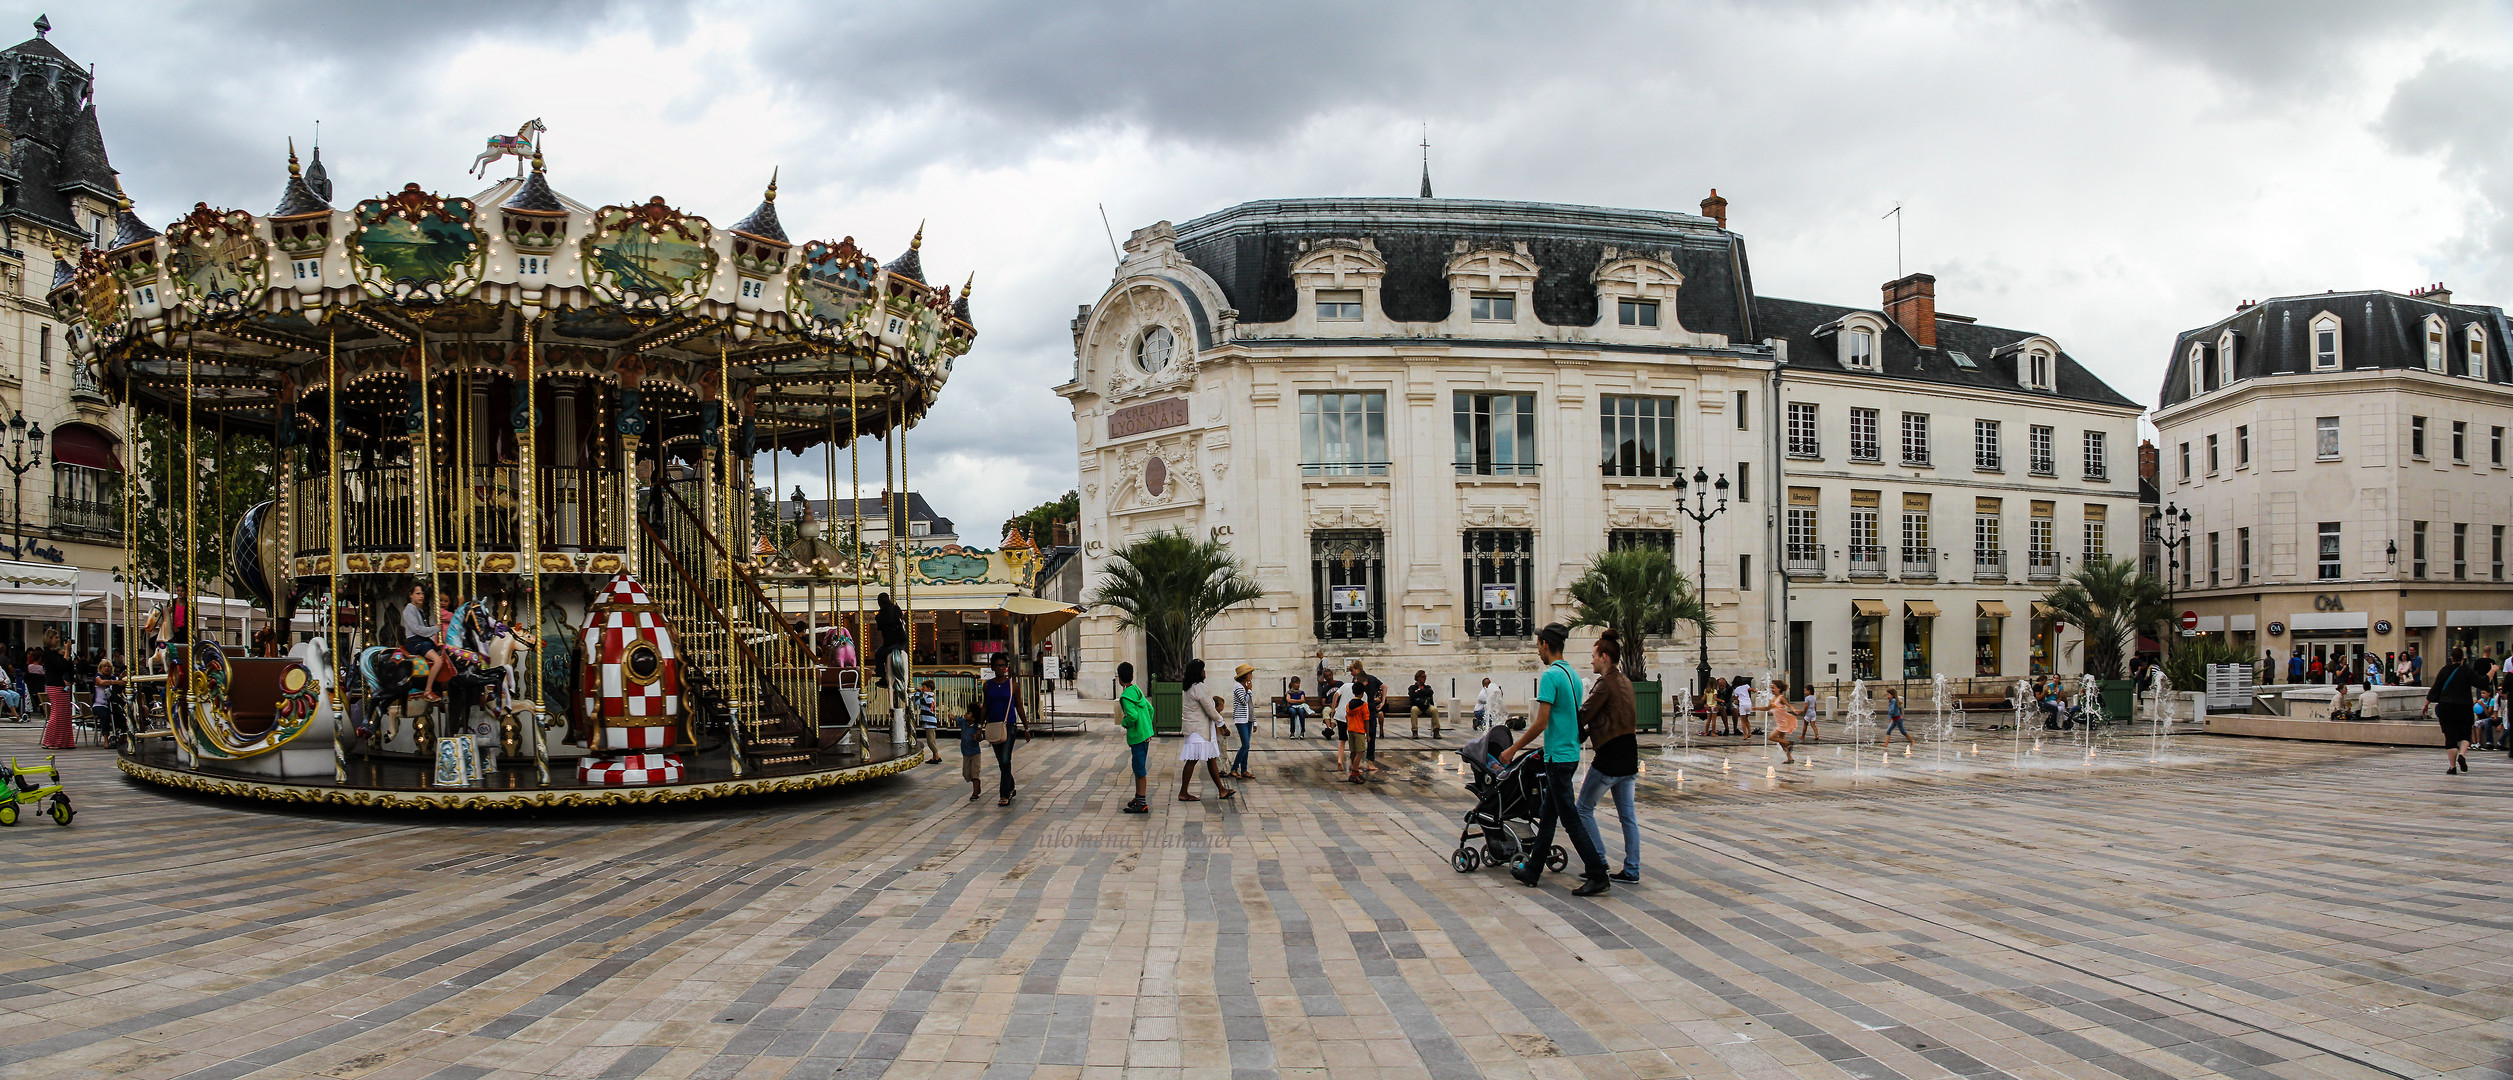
[[404, 784]]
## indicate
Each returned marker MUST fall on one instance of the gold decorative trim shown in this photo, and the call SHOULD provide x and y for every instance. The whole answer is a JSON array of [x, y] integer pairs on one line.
[[377, 798]]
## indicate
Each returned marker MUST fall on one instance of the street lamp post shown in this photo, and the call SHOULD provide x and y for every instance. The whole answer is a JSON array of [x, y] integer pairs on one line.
[[1701, 513], [26, 453], [2171, 529]]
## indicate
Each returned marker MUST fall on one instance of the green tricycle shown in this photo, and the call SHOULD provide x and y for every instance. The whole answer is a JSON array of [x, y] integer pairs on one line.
[[31, 785]]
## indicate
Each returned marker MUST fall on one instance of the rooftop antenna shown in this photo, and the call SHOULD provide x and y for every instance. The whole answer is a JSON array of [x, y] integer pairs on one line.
[[1105, 227], [1426, 159], [1896, 215]]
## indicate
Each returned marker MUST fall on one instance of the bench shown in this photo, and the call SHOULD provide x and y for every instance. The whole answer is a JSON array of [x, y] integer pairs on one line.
[[1973, 703]]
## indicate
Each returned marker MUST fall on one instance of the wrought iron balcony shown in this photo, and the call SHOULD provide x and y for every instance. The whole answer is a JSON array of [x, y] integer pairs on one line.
[[2042, 565], [1867, 560], [83, 516], [1804, 561], [1989, 563], [1919, 562]]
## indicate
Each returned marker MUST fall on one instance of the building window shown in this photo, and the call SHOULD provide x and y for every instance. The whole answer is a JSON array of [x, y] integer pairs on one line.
[[2460, 552], [1154, 349], [1867, 643], [2097, 466], [1496, 434], [2417, 550], [2039, 370], [43, 349], [1339, 305], [86, 499], [1915, 438], [1500, 569], [1986, 452], [1918, 632], [2242, 556], [2434, 344], [2225, 359], [1802, 440], [2325, 438], [1343, 433], [1801, 545], [1347, 571], [2242, 446], [1742, 413], [2198, 369], [2329, 551], [1636, 312], [2216, 559], [2495, 447], [2477, 353], [2495, 545], [1492, 307], [2212, 457], [2460, 442], [2185, 463], [1636, 436], [2038, 442], [1918, 559], [1745, 573], [1863, 350], [1864, 442], [2040, 550], [1988, 559], [2095, 549], [2417, 437], [2325, 344], [1744, 481], [1641, 539], [1867, 554]]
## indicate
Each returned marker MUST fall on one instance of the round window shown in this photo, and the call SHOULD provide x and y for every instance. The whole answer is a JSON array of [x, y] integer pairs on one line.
[[1154, 349], [641, 663]]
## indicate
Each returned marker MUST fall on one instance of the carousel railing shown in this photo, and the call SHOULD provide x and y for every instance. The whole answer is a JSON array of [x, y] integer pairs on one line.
[[581, 509], [761, 671]]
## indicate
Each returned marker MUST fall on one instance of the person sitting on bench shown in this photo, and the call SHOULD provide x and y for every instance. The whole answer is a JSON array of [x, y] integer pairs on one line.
[[1421, 702]]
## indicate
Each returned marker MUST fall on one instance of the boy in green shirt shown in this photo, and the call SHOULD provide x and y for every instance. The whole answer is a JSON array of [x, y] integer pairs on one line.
[[1134, 714]]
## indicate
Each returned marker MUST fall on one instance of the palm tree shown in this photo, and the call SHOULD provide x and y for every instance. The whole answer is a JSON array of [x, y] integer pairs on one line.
[[1170, 586], [1636, 591], [2111, 600]]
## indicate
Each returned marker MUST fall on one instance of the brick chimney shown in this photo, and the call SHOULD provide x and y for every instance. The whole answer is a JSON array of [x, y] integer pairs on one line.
[[1716, 208], [1912, 303]]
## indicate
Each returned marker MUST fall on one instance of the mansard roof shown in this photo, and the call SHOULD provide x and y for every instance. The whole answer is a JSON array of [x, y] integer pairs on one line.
[[1814, 345], [58, 148], [2377, 329]]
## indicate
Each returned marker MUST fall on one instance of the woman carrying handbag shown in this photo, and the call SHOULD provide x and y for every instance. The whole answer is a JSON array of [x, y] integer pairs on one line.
[[1003, 723]]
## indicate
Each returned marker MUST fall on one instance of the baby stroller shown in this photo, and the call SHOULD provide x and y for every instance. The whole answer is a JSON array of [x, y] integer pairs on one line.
[[1504, 817]]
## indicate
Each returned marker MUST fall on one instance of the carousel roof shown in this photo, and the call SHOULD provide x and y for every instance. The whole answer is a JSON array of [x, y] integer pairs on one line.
[[911, 265], [243, 314]]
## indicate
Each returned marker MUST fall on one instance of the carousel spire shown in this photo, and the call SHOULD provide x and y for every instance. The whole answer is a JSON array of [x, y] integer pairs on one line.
[[63, 268], [534, 193], [960, 306], [128, 228], [762, 224], [299, 196], [911, 265], [316, 179]]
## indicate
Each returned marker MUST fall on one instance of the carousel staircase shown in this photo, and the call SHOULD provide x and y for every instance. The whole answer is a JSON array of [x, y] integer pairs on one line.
[[743, 670]]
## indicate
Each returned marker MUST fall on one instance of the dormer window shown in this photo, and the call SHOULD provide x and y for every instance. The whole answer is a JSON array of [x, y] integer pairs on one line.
[[1863, 350], [2477, 353], [1492, 307], [1339, 305], [2198, 370], [2225, 359], [2435, 337], [96, 231], [1636, 313], [2038, 370], [2325, 343]]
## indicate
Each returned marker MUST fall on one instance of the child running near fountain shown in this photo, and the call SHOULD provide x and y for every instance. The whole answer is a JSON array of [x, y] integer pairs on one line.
[[1784, 720], [1893, 713]]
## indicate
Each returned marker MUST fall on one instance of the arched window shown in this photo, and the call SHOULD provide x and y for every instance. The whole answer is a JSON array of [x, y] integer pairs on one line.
[[2436, 334], [2225, 359], [2198, 369], [2327, 343], [2477, 353], [86, 480]]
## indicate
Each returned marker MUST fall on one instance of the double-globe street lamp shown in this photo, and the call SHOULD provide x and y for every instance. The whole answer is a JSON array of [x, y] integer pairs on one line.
[[2170, 530], [26, 454], [1701, 513]]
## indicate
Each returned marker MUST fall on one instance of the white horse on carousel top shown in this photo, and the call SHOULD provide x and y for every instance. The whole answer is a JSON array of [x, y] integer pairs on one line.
[[522, 145]]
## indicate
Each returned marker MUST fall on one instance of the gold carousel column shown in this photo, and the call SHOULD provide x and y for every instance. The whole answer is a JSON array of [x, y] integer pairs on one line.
[[631, 425], [424, 496], [528, 544], [906, 577], [191, 515], [331, 555]]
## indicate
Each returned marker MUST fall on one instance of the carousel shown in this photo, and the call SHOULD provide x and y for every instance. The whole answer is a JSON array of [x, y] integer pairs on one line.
[[515, 436]]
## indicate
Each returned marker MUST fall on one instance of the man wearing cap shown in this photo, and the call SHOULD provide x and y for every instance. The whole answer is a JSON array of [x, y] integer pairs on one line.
[[1243, 716]]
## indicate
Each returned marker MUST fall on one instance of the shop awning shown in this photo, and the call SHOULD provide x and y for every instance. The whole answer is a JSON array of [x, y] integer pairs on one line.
[[1995, 609], [1044, 615], [1868, 609], [82, 444], [2327, 620], [2044, 611], [1920, 609], [27, 573], [2418, 620], [2458, 617], [2242, 624]]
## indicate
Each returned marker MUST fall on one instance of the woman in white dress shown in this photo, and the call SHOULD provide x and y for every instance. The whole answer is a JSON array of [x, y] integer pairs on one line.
[[1200, 720]]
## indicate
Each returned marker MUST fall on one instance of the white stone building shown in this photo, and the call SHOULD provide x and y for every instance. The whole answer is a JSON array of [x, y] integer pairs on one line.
[[1416, 420], [1941, 476], [2342, 457]]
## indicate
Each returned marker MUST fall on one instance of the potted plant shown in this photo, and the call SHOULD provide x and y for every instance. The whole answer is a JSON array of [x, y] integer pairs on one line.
[[1637, 592], [1170, 586], [2110, 600]]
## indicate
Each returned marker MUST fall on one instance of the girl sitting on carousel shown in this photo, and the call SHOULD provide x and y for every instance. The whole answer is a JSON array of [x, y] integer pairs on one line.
[[418, 629]]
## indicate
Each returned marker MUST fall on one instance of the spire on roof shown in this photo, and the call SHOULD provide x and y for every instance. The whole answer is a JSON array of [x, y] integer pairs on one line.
[[43, 25], [960, 306], [534, 194], [128, 228], [762, 223], [316, 180], [63, 268], [911, 266], [298, 196], [1426, 161]]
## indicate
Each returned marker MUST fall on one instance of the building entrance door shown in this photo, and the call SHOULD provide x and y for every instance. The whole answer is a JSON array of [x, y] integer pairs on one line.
[[1800, 635]]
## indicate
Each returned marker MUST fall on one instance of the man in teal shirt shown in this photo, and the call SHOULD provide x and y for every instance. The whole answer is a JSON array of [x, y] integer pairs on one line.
[[1557, 723], [1134, 714]]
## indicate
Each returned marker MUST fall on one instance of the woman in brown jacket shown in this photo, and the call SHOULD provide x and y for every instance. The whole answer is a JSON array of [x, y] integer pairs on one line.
[[1612, 726]]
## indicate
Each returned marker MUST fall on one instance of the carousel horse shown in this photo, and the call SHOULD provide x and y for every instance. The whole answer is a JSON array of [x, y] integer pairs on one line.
[[525, 142]]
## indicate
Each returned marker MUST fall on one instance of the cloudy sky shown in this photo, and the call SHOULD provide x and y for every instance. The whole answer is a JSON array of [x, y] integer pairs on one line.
[[2106, 171]]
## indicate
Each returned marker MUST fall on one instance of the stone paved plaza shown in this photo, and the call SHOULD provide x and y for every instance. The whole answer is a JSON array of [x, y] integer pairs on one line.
[[2260, 910]]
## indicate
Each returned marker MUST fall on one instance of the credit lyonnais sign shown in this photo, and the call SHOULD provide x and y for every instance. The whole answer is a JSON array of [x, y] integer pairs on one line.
[[1149, 416]]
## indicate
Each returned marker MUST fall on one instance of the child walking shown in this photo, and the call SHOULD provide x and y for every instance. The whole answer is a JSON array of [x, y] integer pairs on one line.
[[931, 723], [1784, 720], [1353, 704], [973, 745], [1893, 713], [1134, 716]]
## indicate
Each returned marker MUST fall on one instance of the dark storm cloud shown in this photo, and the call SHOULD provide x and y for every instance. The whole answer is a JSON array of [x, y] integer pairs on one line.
[[2455, 108], [2307, 49]]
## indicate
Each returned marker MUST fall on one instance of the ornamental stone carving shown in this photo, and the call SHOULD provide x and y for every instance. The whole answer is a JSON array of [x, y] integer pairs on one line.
[[1158, 474]]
